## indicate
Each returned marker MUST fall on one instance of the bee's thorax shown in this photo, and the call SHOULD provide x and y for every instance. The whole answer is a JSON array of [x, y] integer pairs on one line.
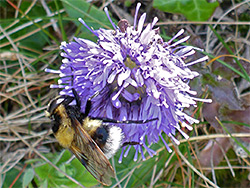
[[90, 125], [62, 126], [65, 136]]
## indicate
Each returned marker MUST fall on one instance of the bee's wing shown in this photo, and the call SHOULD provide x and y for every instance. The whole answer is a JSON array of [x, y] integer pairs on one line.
[[90, 155]]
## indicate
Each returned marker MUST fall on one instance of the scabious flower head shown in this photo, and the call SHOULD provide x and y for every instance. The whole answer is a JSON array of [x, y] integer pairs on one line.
[[139, 76]]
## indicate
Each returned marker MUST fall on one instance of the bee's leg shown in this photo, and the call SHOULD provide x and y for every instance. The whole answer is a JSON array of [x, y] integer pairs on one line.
[[107, 120], [88, 104], [130, 143], [138, 121], [77, 98]]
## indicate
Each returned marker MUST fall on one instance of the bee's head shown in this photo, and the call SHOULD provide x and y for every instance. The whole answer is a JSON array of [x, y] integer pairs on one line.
[[60, 108], [54, 105], [57, 111]]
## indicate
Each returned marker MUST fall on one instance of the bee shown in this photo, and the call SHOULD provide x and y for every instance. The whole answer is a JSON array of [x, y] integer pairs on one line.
[[93, 140]]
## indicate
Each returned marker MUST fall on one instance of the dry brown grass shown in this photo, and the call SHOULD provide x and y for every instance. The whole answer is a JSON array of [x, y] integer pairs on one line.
[[24, 94]]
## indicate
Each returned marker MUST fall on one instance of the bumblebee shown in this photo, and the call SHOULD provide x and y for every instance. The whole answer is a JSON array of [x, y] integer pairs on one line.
[[92, 140]]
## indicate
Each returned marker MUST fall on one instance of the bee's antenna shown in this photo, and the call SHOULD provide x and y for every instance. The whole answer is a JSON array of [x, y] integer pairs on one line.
[[77, 98], [89, 104]]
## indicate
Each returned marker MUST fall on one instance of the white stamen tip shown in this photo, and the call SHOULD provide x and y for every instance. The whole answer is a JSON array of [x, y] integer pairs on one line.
[[63, 43]]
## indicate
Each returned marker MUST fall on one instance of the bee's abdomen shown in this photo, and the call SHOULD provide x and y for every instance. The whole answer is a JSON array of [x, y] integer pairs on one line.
[[100, 136], [109, 139]]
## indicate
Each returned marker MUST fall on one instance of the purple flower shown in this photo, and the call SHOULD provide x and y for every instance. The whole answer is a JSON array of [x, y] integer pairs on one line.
[[139, 76]]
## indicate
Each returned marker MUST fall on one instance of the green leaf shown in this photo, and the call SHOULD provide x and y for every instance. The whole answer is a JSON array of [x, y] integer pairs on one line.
[[36, 11], [58, 158], [81, 174], [44, 171], [142, 169], [44, 183], [53, 178], [194, 10], [92, 16], [28, 177], [9, 177]]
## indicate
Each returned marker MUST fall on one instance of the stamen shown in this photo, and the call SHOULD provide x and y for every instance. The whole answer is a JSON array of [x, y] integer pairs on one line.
[[107, 13], [136, 14], [83, 22], [198, 61], [176, 36], [166, 145]]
